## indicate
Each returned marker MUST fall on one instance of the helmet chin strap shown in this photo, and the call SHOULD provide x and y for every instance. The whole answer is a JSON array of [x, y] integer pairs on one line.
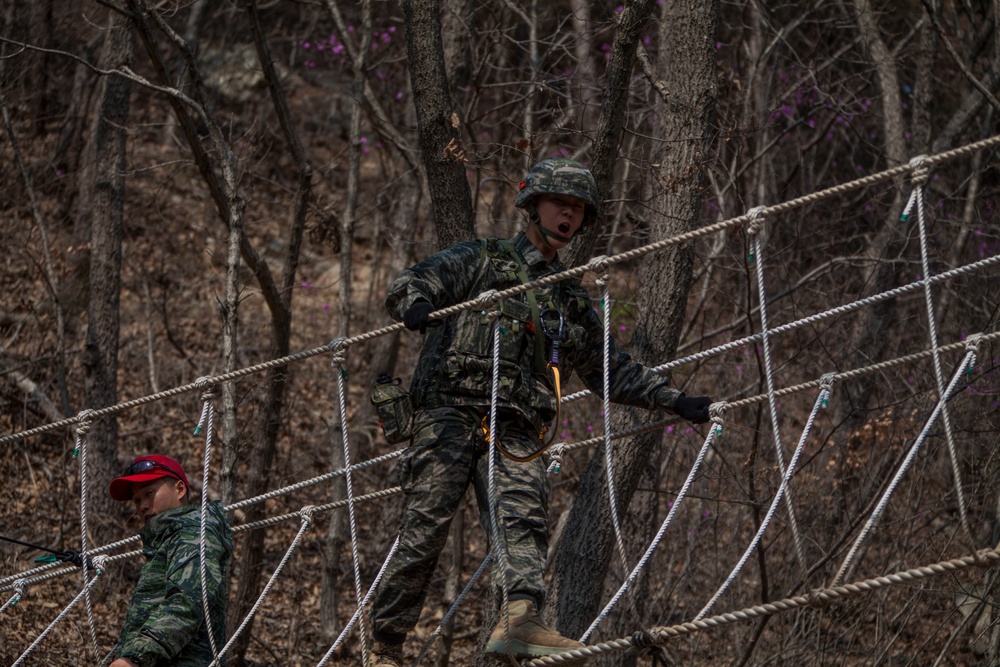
[[546, 233]]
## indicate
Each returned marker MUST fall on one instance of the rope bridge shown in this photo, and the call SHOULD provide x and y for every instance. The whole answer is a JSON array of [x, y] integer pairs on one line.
[[946, 386]]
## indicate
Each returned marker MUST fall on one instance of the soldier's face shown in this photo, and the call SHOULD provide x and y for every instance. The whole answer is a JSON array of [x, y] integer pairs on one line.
[[157, 496], [561, 214]]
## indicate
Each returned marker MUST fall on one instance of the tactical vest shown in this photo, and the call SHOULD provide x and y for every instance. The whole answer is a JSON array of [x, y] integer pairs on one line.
[[457, 360]]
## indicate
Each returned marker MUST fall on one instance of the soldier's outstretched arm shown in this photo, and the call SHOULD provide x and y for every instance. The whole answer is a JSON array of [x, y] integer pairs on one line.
[[443, 279]]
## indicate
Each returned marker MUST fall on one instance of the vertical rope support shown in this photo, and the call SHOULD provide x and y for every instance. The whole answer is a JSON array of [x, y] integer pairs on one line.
[[716, 410], [307, 516], [98, 565], [920, 173], [80, 450], [821, 401], [454, 607], [207, 420], [499, 547], [360, 610], [604, 281], [967, 362], [339, 362], [757, 220]]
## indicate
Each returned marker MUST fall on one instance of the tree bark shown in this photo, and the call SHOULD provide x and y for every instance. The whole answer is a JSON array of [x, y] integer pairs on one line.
[[437, 123], [687, 64], [101, 218]]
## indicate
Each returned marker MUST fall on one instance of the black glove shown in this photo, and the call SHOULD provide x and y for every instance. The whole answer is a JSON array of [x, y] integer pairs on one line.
[[693, 408], [417, 316]]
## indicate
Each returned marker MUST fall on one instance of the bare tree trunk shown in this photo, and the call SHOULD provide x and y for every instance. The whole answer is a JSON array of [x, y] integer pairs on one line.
[[276, 380], [869, 342], [687, 63], [102, 203], [437, 123]]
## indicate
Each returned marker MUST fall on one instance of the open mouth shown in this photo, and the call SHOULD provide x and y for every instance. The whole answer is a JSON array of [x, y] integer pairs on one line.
[[563, 230]]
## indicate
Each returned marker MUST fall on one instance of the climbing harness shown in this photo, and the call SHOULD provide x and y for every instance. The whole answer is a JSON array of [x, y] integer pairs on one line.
[[556, 335]]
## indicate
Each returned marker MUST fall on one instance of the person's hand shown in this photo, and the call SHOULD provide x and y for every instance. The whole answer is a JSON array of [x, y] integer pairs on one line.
[[123, 662], [417, 316], [693, 408]]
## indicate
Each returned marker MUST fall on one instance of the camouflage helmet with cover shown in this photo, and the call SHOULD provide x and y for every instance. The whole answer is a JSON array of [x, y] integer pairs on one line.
[[564, 177]]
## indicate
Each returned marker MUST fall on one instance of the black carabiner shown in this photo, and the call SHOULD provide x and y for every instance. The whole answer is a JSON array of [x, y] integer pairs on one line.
[[555, 336]]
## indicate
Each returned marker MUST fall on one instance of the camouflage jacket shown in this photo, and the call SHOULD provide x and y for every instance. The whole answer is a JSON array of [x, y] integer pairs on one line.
[[456, 359], [165, 621]]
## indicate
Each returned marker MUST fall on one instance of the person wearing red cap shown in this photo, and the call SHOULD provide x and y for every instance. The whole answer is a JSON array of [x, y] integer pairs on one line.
[[165, 622]]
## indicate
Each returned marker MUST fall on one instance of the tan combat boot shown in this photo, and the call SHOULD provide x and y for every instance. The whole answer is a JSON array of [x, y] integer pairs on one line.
[[528, 636], [387, 655]]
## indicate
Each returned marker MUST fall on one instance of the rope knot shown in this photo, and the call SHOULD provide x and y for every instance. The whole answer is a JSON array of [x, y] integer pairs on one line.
[[100, 562], [487, 299], [338, 346], [919, 169], [307, 513], [493, 315], [86, 420], [556, 452], [205, 385], [757, 217], [973, 342], [19, 586], [715, 414], [599, 264]]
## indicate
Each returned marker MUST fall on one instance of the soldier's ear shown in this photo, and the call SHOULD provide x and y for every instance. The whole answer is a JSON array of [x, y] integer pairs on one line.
[[181, 490]]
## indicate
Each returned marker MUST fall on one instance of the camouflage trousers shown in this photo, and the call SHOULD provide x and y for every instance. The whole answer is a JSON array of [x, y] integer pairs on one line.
[[448, 452]]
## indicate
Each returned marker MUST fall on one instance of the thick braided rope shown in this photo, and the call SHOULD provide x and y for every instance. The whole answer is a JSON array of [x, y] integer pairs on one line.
[[340, 365], [821, 400], [82, 445], [967, 362], [208, 419], [358, 612], [38, 640], [772, 403], [680, 239], [499, 545], [5, 582], [661, 635], [917, 195], [713, 432], [827, 314], [604, 281], [52, 573], [276, 493], [812, 319], [454, 607], [307, 517]]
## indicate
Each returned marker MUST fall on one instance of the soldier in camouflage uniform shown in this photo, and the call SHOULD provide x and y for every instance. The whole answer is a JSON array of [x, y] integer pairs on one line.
[[165, 621], [451, 396]]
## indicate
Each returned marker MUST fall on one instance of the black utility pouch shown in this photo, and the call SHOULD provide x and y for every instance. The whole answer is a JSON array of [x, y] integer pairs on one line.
[[394, 407]]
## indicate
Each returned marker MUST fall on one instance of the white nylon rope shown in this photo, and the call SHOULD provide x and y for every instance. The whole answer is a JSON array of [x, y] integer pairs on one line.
[[307, 515], [499, 548], [98, 566], [757, 220], [454, 607], [599, 264], [917, 196], [339, 362], [821, 401], [82, 442], [716, 410], [967, 362], [364, 603], [208, 419]]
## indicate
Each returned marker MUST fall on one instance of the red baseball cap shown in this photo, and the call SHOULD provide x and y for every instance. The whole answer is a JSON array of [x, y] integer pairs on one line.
[[146, 469]]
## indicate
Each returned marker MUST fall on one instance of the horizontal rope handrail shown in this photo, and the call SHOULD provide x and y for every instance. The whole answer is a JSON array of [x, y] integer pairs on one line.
[[680, 239], [661, 635]]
